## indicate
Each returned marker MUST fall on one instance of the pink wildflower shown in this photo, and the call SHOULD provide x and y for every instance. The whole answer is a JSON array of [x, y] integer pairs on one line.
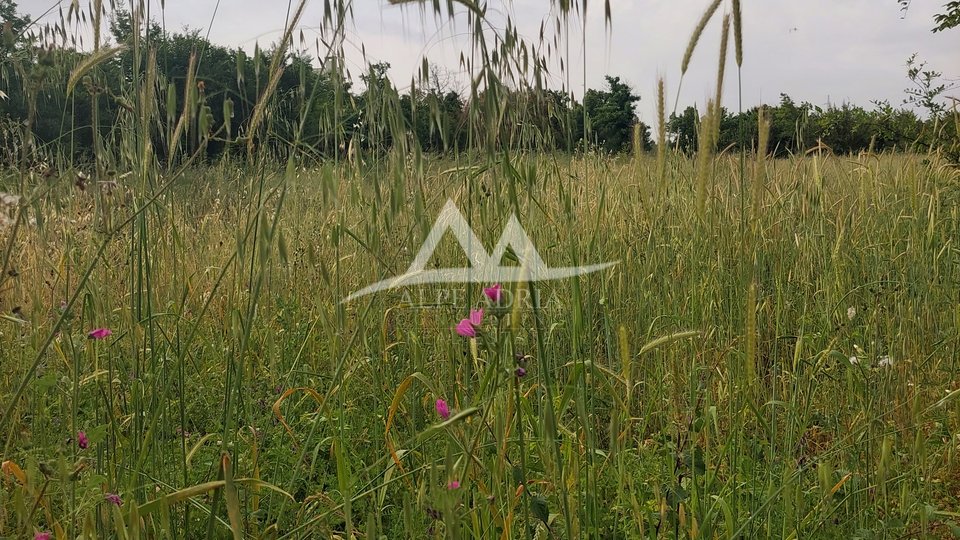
[[82, 440], [466, 329], [442, 409], [113, 498], [42, 536], [453, 484], [100, 333], [494, 293]]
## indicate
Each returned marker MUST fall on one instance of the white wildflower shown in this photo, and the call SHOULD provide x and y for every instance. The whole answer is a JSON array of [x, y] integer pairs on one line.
[[8, 209], [854, 360], [885, 361], [851, 312]]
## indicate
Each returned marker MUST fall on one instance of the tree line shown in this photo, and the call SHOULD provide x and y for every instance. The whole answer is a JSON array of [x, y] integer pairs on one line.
[[321, 112]]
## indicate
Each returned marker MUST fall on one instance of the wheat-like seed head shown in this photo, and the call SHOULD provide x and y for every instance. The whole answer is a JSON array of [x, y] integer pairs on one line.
[[724, 38], [276, 69], [706, 141], [696, 34], [738, 32], [759, 172], [661, 130]]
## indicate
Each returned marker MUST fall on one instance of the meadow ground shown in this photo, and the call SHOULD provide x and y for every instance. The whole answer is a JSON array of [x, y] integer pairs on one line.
[[775, 357]]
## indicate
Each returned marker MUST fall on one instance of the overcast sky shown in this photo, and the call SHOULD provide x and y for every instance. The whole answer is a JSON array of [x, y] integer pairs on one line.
[[814, 50]]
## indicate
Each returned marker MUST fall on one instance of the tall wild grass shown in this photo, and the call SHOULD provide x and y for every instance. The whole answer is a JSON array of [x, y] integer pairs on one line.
[[774, 355]]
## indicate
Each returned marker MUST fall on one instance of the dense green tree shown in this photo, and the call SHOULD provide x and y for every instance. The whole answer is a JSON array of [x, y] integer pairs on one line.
[[789, 126], [683, 129], [894, 129], [378, 125], [14, 25], [610, 115], [738, 131], [846, 129], [434, 118], [642, 132], [796, 128]]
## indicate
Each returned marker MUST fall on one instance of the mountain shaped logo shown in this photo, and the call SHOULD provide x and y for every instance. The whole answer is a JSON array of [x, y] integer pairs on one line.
[[484, 267]]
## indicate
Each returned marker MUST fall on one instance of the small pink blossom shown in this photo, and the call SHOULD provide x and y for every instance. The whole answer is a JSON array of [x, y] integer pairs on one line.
[[466, 329], [42, 536], [453, 484], [100, 333], [494, 293], [82, 440], [113, 498], [442, 409]]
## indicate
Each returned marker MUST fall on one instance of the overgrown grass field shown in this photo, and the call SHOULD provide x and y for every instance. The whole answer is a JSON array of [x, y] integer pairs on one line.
[[781, 362]]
